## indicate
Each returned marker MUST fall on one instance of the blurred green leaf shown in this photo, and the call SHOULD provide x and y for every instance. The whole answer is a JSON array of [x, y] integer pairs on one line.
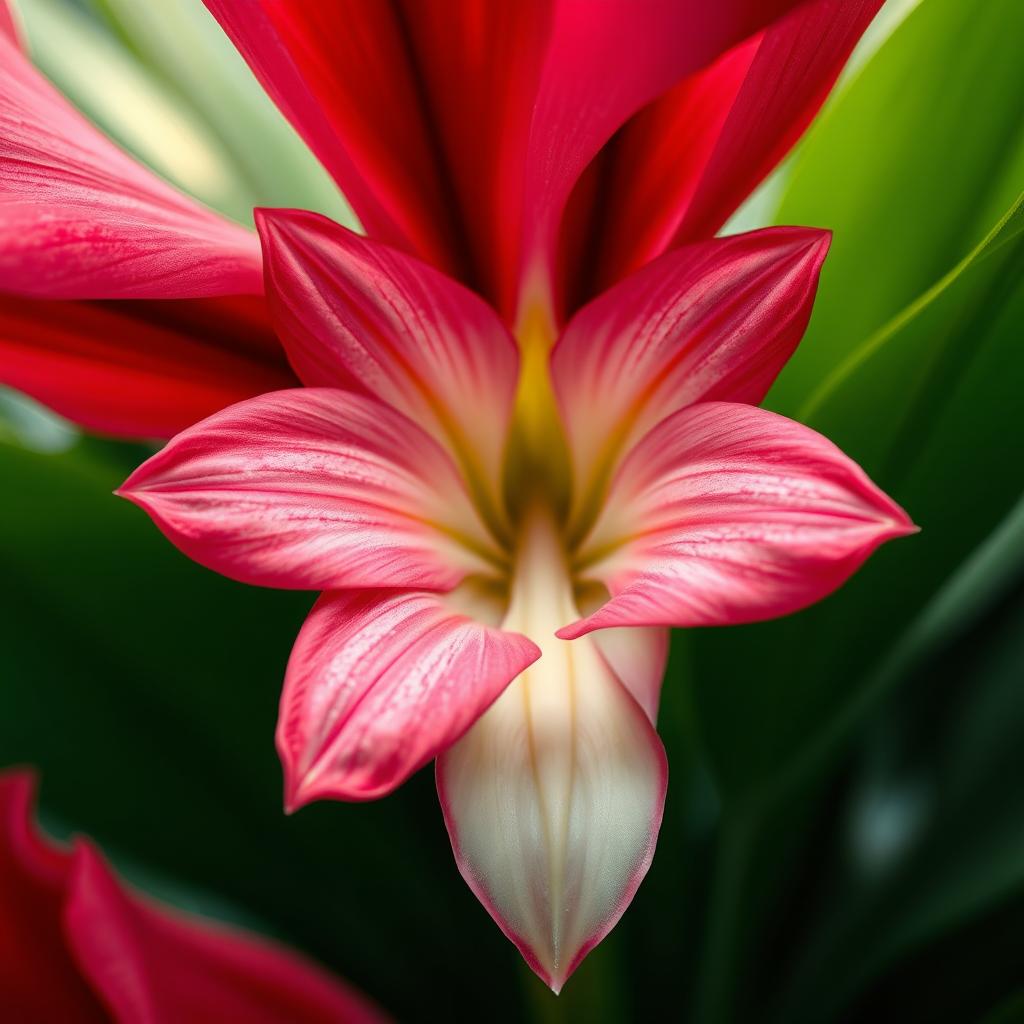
[[180, 42], [133, 107], [933, 836]]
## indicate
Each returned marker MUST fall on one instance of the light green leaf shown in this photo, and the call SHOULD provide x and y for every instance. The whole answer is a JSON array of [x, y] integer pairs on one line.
[[910, 167], [181, 42]]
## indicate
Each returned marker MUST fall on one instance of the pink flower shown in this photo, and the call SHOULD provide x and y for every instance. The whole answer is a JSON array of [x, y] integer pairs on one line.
[[78, 947], [527, 441]]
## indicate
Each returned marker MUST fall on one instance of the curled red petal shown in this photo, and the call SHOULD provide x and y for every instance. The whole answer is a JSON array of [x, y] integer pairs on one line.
[[358, 315]]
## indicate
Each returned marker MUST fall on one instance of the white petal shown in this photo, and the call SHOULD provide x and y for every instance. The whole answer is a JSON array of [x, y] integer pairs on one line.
[[553, 800]]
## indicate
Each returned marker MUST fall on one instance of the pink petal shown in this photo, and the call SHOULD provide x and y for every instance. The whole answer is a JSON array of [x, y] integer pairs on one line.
[[380, 682], [726, 514], [683, 165], [79, 219], [314, 489], [153, 967], [715, 320], [143, 370], [357, 315], [8, 24]]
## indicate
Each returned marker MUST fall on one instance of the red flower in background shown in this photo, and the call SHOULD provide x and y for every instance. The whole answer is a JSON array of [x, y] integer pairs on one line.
[[77, 947], [477, 485]]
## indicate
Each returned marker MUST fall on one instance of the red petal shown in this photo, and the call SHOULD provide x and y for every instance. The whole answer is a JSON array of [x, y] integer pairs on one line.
[[726, 514], [715, 320], [450, 127], [357, 315], [314, 489], [39, 982], [153, 967], [139, 369], [683, 165], [379, 683], [79, 219]]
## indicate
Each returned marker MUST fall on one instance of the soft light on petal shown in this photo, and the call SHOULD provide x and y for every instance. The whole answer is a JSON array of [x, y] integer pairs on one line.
[[357, 315], [726, 514], [314, 489], [80, 219], [713, 321], [553, 800], [380, 682]]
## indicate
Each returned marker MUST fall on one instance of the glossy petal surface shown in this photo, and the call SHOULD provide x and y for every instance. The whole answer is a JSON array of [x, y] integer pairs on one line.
[[79, 219], [139, 369], [726, 514], [712, 321], [379, 682], [313, 489], [357, 315]]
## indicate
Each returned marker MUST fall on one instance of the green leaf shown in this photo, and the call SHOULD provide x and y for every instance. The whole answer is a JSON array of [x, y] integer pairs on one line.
[[910, 166]]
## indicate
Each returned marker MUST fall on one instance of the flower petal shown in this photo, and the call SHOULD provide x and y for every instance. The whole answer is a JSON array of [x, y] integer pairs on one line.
[[140, 370], [715, 320], [154, 968], [628, 53], [39, 981], [553, 802], [683, 165], [314, 489], [80, 219], [726, 514], [8, 24], [357, 315], [380, 682], [553, 799], [455, 128]]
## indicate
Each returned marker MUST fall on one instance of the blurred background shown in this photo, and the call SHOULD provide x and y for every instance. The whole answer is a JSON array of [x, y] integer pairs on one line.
[[844, 833]]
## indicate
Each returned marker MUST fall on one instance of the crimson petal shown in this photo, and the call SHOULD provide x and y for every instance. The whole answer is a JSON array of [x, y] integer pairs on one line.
[[139, 369], [715, 320], [683, 165]]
